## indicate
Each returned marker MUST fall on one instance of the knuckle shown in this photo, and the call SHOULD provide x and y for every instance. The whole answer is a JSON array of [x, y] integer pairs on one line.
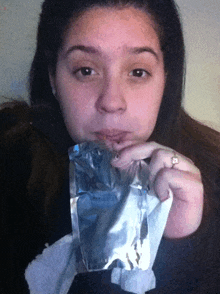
[[200, 187], [199, 174], [159, 153], [164, 174], [154, 144]]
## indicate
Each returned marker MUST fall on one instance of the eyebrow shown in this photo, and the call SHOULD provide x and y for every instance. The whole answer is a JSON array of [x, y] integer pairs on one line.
[[93, 50], [139, 50]]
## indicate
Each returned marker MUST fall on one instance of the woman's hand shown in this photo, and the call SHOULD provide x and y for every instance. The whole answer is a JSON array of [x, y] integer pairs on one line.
[[182, 178]]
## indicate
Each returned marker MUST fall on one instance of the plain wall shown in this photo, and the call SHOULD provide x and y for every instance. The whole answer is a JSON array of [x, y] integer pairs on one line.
[[201, 24]]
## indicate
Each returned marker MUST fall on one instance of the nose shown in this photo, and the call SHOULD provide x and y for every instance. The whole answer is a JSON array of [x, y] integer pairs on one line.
[[111, 98]]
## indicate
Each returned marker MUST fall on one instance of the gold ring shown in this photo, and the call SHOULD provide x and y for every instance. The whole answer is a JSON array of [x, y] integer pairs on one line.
[[174, 159]]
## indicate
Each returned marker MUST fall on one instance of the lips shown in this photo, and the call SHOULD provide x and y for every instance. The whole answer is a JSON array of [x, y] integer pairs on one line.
[[112, 135]]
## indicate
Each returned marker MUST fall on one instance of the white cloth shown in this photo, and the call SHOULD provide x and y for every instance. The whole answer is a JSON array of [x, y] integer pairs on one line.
[[53, 271]]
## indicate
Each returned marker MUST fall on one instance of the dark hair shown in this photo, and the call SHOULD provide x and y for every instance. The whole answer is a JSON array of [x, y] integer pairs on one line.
[[174, 127]]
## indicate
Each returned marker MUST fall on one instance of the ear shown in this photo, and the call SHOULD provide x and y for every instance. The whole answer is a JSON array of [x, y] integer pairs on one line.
[[52, 83]]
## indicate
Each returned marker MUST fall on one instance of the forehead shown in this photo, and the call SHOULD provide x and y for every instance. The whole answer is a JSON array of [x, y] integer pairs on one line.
[[112, 29]]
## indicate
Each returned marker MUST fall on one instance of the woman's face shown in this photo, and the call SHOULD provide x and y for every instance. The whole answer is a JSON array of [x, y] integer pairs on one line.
[[110, 76]]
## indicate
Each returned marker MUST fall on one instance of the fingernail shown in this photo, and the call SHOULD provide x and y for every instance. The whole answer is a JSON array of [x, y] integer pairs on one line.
[[116, 157], [167, 196]]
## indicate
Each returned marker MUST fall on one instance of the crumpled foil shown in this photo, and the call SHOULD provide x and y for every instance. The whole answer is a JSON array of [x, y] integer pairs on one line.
[[109, 209], [116, 225]]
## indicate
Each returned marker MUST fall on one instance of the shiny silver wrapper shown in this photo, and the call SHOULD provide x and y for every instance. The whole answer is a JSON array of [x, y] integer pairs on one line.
[[109, 209]]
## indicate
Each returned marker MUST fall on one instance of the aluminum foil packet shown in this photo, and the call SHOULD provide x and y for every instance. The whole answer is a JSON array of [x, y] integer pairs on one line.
[[109, 209], [117, 224]]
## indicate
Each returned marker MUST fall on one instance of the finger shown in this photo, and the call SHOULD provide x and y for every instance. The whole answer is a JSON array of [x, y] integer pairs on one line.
[[134, 152], [118, 146], [183, 185], [186, 212], [162, 158], [122, 145]]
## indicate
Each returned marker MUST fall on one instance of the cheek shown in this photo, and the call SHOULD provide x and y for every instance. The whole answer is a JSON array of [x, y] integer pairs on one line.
[[74, 121], [77, 109], [74, 115], [145, 107], [72, 99], [147, 113], [146, 104]]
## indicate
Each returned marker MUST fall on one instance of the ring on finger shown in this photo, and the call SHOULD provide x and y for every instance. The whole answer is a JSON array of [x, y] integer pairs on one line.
[[174, 159]]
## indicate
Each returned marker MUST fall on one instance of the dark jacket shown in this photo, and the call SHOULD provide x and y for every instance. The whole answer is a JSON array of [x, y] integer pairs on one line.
[[35, 211]]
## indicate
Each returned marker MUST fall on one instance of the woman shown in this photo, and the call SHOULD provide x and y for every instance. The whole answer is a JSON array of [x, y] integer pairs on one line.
[[112, 71]]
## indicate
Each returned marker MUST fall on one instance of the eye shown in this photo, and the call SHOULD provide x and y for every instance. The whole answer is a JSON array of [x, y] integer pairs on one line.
[[139, 73], [84, 72]]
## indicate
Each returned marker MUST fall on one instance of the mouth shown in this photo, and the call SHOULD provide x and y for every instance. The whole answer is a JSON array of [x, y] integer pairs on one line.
[[112, 135]]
